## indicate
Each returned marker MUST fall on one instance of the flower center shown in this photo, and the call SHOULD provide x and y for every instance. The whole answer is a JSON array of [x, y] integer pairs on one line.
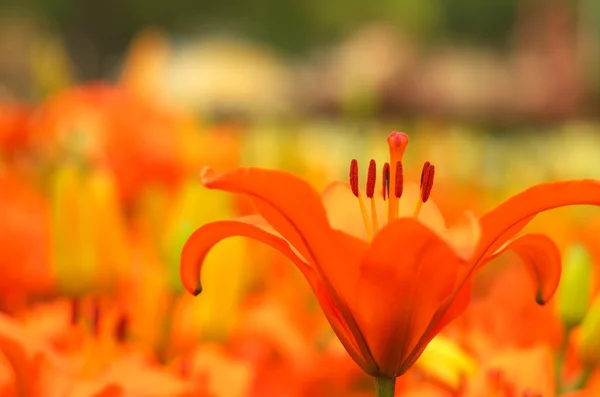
[[392, 182]]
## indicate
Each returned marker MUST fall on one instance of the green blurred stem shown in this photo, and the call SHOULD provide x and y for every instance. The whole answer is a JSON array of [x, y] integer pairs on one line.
[[580, 382], [385, 387], [560, 358]]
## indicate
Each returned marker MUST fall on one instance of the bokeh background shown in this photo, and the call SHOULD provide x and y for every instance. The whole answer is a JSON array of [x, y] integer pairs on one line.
[[109, 109]]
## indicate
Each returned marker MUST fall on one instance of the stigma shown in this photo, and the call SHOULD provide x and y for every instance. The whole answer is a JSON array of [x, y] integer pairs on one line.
[[392, 185]]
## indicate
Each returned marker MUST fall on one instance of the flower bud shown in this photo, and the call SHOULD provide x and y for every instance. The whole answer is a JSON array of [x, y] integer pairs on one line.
[[574, 292]]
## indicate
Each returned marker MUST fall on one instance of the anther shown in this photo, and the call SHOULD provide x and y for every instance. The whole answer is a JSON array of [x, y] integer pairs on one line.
[[386, 181], [96, 318], [75, 313], [425, 168], [121, 328], [399, 180], [354, 177], [356, 192], [427, 184], [371, 178]]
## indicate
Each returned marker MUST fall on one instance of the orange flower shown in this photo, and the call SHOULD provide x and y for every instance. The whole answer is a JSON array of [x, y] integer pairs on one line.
[[388, 273], [24, 235]]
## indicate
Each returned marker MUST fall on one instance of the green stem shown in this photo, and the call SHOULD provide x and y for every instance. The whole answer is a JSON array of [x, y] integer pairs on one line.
[[560, 358], [580, 382], [385, 387]]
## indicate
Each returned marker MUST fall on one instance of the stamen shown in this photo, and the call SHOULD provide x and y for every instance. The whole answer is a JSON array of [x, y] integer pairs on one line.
[[427, 183], [361, 202], [121, 328], [397, 142], [371, 179], [399, 181], [75, 314], [426, 186], [386, 181], [424, 171], [354, 177], [96, 318]]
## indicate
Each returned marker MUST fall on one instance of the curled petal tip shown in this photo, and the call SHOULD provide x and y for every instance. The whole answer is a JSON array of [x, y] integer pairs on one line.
[[197, 291], [207, 175], [539, 299]]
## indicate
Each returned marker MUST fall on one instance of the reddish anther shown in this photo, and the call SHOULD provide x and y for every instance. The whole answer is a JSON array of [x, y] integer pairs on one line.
[[121, 328], [75, 310], [427, 183], [399, 182], [354, 177], [425, 168], [386, 181], [96, 318], [371, 179]]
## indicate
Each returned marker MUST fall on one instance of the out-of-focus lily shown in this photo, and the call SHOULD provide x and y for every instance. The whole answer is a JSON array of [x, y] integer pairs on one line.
[[24, 243], [99, 359], [492, 316], [193, 207], [88, 234], [445, 361], [590, 335], [510, 373], [13, 127], [574, 292], [139, 141], [391, 245]]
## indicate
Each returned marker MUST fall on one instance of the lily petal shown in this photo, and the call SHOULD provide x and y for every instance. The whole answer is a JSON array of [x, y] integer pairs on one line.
[[203, 239], [294, 209], [430, 214], [343, 210], [541, 258], [289, 204], [405, 275], [464, 235], [510, 217], [447, 312]]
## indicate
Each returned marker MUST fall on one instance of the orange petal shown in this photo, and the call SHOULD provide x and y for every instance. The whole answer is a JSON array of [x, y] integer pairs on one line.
[[506, 220], [405, 276], [294, 209], [203, 239], [24, 354], [343, 210], [430, 214], [464, 235], [448, 310], [288, 203], [110, 391], [541, 258]]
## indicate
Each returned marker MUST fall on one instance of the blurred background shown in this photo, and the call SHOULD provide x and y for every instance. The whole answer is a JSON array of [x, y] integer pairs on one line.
[[109, 109], [502, 61]]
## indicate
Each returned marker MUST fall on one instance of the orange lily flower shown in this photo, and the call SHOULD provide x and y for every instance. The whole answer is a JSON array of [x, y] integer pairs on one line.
[[388, 273]]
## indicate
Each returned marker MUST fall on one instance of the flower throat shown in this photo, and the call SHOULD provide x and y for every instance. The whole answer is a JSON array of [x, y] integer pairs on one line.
[[392, 182]]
